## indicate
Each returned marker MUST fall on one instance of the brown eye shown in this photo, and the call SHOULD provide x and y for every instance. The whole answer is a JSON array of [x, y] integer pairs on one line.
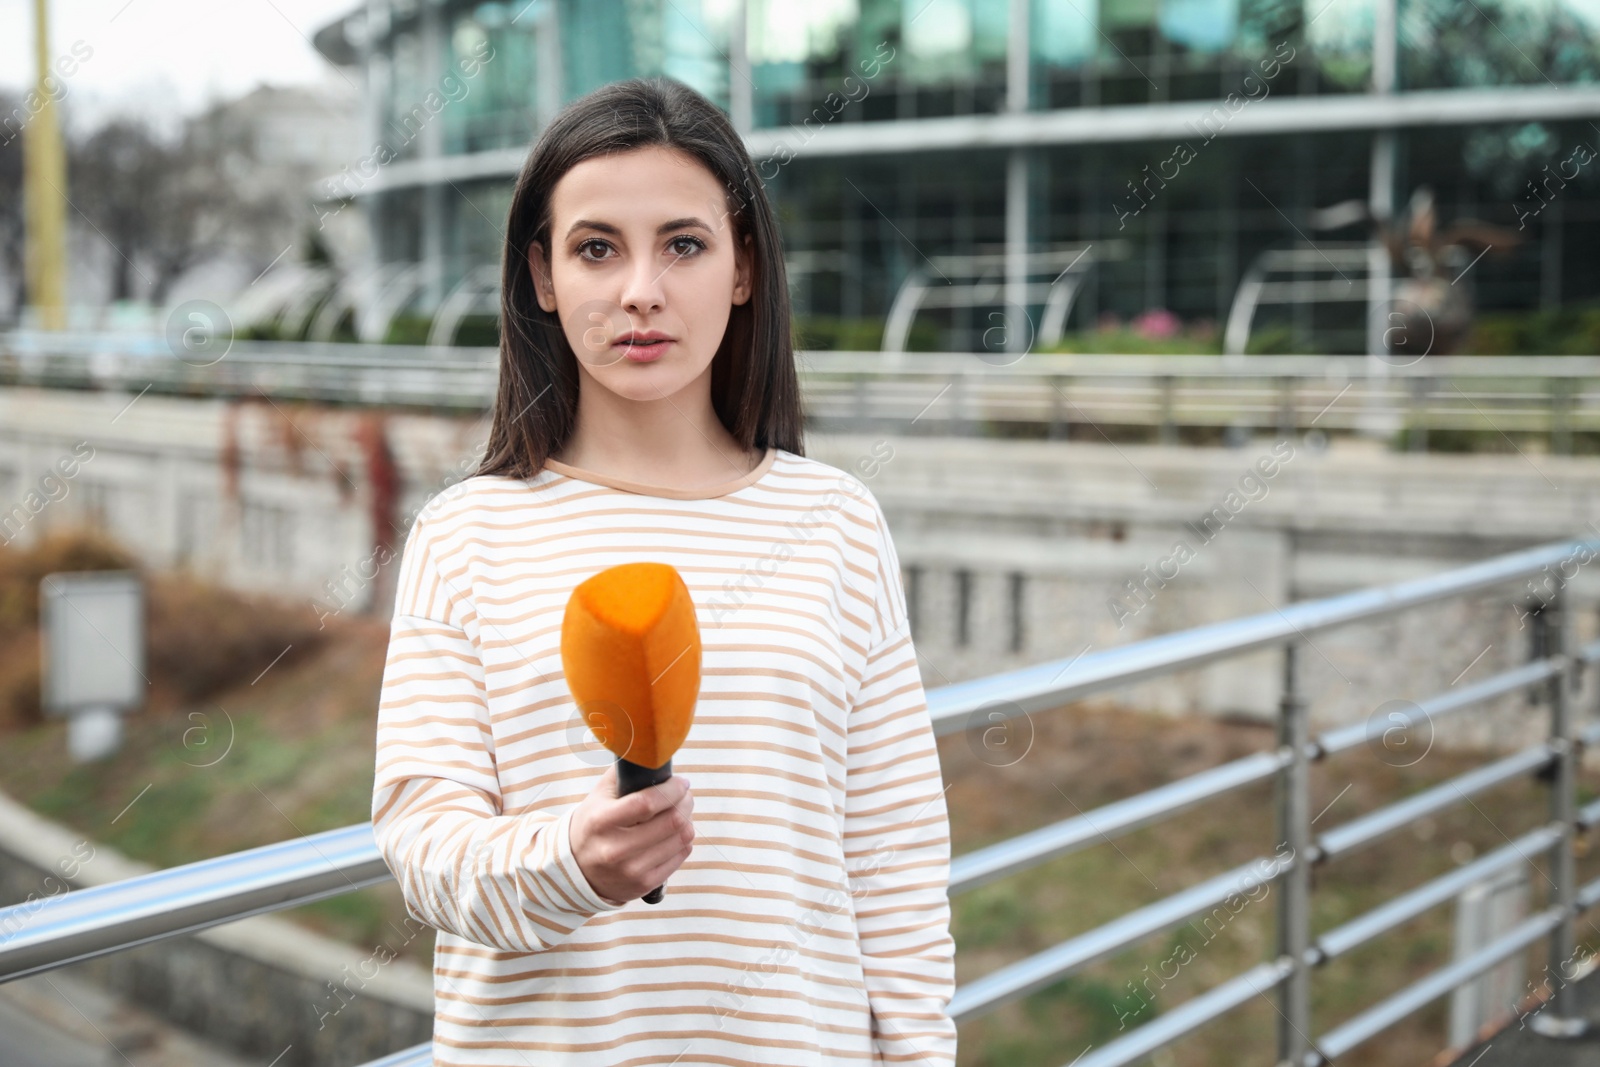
[[588, 244], [695, 245]]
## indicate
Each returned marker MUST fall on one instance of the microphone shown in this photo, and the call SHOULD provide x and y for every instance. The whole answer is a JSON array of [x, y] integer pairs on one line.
[[630, 647]]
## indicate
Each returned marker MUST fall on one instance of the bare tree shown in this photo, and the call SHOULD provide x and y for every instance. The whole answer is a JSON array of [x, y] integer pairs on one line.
[[12, 228], [163, 204]]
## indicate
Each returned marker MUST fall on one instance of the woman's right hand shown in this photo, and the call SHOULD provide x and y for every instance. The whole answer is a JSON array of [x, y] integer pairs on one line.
[[626, 846]]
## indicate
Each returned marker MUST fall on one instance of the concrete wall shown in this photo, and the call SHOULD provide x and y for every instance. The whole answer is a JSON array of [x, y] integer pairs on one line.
[[1014, 552], [1080, 522]]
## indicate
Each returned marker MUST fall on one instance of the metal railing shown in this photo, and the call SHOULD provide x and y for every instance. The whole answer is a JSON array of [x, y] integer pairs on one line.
[[95, 921], [925, 392], [1047, 394]]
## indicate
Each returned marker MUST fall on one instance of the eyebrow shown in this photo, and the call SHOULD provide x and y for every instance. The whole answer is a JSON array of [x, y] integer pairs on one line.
[[606, 227]]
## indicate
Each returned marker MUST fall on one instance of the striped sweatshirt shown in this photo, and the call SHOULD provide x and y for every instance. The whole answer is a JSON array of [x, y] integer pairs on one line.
[[810, 923]]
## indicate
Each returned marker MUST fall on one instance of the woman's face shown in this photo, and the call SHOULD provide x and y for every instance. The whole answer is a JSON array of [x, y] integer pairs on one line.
[[641, 242]]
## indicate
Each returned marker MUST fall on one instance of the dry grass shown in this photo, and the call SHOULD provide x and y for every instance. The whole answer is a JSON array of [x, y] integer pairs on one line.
[[1082, 757], [199, 639]]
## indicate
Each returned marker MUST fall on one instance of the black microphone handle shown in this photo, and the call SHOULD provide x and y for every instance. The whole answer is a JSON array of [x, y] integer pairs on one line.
[[631, 777]]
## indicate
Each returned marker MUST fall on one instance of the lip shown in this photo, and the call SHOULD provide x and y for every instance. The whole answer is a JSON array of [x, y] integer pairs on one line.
[[656, 344]]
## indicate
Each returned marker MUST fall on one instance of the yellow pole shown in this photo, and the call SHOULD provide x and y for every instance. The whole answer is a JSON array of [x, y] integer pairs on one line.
[[45, 191]]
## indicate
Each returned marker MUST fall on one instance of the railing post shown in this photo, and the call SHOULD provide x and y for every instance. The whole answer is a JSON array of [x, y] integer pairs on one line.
[[1294, 884], [1168, 431], [1560, 1018], [1419, 414], [962, 423], [1561, 404], [1060, 426]]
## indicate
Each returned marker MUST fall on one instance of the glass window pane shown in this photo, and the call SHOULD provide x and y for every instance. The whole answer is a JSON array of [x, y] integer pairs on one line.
[[1063, 32], [1202, 25], [1498, 42]]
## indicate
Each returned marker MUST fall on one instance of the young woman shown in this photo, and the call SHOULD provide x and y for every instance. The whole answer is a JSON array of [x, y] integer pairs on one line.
[[648, 409]]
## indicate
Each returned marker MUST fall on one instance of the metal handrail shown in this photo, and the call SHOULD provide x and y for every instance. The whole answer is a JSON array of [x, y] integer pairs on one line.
[[91, 922], [1044, 968], [1424, 991], [415, 1056], [153, 348], [1358, 833], [958, 706], [1188, 1016], [1447, 703], [1351, 935], [1545, 394], [1051, 842]]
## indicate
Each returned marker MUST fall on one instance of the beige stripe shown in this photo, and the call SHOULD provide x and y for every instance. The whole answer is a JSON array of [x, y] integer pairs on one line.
[[618, 1016], [691, 1037], [435, 628], [385, 764], [657, 992], [909, 802], [428, 654], [822, 600], [399, 726], [919, 730], [898, 828], [750, 513], [413, 676], [621, 919], [428, 698], [499, 960], [514, 553]]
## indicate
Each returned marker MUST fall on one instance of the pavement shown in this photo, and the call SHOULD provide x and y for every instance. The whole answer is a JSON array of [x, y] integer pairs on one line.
[[57, 1020], [1518, 1046]]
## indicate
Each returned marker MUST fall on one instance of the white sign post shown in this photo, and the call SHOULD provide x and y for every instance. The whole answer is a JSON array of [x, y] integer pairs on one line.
[[92, 623]]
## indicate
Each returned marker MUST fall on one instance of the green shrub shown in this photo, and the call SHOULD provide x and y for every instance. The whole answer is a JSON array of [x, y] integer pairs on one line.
[[1566, 331]]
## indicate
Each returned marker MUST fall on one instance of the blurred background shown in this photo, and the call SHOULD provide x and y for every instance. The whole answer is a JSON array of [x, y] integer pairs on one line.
[[1221, 365], [366, 157]]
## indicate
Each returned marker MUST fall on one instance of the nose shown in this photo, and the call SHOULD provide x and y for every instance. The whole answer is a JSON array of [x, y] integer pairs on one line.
[[642, 290]]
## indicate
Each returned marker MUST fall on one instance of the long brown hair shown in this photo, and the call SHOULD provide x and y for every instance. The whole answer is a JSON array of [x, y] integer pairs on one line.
[[755, 390]]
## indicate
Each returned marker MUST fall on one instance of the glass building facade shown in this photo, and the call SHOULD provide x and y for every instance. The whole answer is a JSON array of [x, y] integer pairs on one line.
[[1175, 141]]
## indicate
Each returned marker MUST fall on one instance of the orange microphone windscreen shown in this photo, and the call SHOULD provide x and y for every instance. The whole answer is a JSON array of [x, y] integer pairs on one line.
[[630, 647]]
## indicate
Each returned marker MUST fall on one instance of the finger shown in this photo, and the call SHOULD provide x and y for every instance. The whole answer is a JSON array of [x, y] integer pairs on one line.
[[654, 862], [680, 813], [683, 805], [640, 807], [662, 797], [660, 875], [668, 825], [664, 823]]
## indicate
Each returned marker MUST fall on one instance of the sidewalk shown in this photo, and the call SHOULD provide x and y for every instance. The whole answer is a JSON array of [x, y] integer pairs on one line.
[[59, 1020], [1518, 1046]]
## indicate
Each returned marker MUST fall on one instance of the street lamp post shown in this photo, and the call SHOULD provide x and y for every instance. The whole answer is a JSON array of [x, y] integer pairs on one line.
[[44, 190]]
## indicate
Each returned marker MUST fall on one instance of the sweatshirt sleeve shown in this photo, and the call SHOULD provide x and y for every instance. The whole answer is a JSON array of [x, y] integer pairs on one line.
[[508, 882], [897, 839]]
